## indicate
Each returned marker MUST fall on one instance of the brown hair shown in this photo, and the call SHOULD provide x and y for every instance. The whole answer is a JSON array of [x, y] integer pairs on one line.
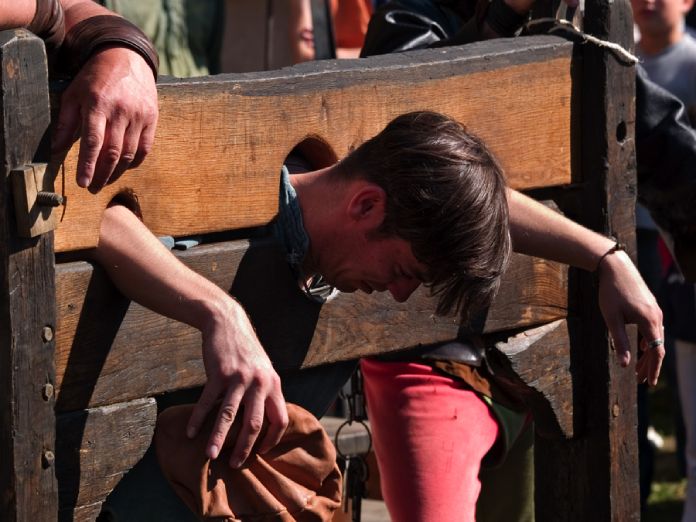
[[446, 197]]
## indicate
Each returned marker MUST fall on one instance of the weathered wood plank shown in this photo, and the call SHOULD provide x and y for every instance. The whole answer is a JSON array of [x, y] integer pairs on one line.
[[533, 291], [238, 129], [88, 513], [111, 351], [605, 445], [95, 448], [535, 366], [28, 490]]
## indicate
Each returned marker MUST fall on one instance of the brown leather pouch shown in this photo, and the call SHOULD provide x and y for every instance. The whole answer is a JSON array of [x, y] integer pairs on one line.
[[298, 480]]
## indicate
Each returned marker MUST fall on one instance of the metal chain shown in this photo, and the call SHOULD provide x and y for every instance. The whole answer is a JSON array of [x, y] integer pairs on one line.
[[354, 466]]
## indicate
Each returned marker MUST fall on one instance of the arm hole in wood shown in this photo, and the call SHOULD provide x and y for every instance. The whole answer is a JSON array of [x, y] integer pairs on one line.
[[312, 153], [129, 199]]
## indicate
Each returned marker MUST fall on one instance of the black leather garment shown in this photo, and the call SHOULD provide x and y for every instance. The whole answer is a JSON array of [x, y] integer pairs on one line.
[[666, 161]]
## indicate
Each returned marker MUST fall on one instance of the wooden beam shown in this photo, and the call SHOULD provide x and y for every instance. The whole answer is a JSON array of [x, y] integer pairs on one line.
[[605, 443], [95, 448], [28, 490], [534, 365], [221, 140], [109, 350]]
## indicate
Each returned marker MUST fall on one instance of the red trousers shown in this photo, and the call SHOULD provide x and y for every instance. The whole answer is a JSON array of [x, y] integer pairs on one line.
[[430, 433]]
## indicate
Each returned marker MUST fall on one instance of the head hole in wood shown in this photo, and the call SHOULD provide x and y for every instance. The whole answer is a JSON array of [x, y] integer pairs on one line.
[[311, 153]]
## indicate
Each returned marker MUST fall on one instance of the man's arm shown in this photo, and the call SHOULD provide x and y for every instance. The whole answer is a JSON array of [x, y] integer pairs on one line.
[[237, 367], [16, 13], [623, 296], [112, 102]]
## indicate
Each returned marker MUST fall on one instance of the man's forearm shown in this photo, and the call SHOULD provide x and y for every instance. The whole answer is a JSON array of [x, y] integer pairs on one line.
[[237, 368], [16, 13], [623, 296], [146, 271], [539, 231]]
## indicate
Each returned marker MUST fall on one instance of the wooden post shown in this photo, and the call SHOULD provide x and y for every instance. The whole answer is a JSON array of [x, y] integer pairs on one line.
[[595, 475], [28, 488]]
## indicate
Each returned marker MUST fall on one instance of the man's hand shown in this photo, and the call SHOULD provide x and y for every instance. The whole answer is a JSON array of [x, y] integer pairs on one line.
[[112, 102], [625, 299], [239, 370]]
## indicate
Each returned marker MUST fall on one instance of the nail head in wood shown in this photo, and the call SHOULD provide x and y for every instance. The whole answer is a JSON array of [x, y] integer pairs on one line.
[[47, 334], [47, 459], [47, 391]]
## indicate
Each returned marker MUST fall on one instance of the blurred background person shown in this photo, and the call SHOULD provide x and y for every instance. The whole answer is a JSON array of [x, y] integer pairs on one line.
[[668, 55]]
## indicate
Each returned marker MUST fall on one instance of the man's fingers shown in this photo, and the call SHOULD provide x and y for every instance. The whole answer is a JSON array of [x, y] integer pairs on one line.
[[225, 418], [110, 153], [205, 403], [131, 140], [66, 126], [650, 363], [147, 139], [642, 367], [92, 139], [619, 337], [251, 427], [656, 366], [653, 344], [277, 415]]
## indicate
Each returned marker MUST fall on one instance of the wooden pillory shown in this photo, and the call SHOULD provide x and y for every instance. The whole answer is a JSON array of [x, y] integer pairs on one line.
[[80, 365]]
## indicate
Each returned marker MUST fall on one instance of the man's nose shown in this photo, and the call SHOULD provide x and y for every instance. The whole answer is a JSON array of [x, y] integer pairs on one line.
[[401, 289]]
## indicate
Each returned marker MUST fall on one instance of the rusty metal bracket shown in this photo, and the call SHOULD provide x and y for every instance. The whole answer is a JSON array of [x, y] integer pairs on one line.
[[36, 204]]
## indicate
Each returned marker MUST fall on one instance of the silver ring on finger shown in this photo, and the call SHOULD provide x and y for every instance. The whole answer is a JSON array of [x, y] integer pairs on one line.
[[655, 343]]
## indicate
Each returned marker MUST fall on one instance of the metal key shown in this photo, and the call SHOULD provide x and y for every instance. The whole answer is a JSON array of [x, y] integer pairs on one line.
[[347, 476], [358, 476]]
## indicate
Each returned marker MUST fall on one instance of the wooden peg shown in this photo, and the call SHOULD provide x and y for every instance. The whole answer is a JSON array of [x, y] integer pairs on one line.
[[36, 204]]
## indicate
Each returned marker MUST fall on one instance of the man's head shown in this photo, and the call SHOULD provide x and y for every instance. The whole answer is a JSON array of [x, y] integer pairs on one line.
[[444, 216], [660, 20]]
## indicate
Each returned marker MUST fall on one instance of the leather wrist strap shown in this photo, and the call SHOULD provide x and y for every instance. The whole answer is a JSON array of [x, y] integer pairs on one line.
[[617, 246], [94, 33], [49, 24], [502, 20]]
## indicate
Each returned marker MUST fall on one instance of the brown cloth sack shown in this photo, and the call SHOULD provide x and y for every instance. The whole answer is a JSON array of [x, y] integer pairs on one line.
[[298, 480]]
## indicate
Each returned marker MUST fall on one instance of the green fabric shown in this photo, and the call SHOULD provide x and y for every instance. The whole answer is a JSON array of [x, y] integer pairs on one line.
[[507, 490], [512, 424], [187, 33]]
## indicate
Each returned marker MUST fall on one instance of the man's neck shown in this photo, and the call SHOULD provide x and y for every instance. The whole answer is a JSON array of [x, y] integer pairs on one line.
[[315, 195], [654, 44]]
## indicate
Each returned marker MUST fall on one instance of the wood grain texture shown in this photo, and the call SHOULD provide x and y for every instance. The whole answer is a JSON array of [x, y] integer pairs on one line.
[[87, 513], [221, 140], [605, 446], [28, 490], [95, 448], [534, 365], [109, 350]]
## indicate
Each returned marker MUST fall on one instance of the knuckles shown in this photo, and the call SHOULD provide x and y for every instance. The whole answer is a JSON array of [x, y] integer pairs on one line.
[[255, 424], [227, 414], [111, 154]]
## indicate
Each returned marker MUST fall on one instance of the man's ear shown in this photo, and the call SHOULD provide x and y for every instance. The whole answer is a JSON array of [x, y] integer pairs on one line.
[[367, 205]]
